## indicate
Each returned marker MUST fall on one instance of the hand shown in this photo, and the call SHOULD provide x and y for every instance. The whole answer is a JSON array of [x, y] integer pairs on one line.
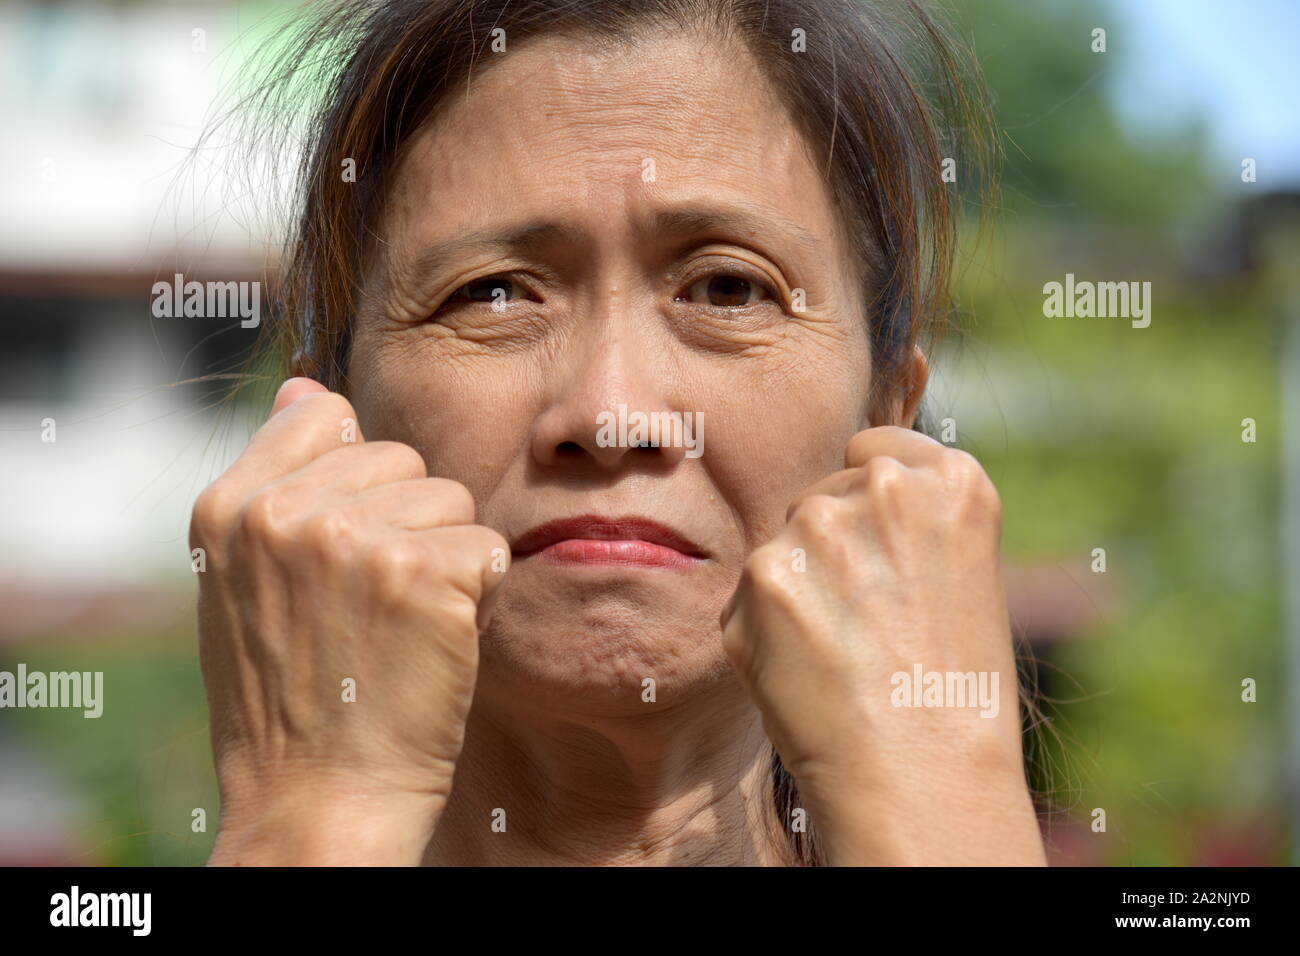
[[331, 560], [887, 566]]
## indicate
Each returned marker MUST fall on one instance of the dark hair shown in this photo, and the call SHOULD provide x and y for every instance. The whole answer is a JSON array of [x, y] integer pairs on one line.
[[878, 90]]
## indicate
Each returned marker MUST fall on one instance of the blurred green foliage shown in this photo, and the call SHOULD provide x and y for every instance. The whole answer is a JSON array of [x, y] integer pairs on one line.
[[147, 765], [1067, 155], [1103, 435]]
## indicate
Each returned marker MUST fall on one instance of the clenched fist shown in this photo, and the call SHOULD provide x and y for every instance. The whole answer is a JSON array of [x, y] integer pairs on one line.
[[339, 617], [887, 571]]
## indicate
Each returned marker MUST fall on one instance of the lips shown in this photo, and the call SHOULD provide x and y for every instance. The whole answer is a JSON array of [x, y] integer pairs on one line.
[[594, 540]]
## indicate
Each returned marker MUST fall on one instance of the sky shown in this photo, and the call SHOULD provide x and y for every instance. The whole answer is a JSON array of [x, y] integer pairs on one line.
[[1233, 60]]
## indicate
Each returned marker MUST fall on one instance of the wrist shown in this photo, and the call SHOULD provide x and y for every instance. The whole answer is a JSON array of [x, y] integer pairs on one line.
[[904, 821], [317, 829]]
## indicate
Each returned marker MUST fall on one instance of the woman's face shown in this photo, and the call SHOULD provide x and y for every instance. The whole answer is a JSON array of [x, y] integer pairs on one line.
[[656, 236]]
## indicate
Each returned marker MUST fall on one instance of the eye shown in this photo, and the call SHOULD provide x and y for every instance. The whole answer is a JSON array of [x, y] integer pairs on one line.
[[491, 290], [727, 290]]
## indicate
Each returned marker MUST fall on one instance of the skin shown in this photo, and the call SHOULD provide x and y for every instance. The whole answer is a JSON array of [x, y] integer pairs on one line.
[[337, 558]]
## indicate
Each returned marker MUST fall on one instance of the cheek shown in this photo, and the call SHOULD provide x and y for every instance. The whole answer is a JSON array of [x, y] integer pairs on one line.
[[467, 421], [780, 425]]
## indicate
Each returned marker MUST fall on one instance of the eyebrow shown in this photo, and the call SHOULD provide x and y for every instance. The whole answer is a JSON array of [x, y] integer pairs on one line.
[[745, 218], [529, 235]]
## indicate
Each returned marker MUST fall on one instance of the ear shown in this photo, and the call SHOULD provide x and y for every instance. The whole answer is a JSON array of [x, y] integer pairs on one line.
[[914, 387], [901, 407]]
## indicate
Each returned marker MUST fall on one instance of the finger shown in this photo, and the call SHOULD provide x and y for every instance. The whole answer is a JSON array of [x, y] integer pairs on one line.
[[292, 390], [482, 559], [417, 504], [910, 447], [488, 602], [733, 602], [301, 432], [836, 485], [352, 469]]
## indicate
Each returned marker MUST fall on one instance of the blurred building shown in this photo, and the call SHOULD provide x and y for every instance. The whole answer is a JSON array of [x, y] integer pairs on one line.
[[101, 197]]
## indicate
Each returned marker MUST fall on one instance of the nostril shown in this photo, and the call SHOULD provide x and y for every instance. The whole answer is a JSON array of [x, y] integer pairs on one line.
[[568, 448]]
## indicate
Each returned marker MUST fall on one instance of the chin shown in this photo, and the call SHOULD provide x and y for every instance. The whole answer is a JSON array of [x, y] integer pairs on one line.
[[589, 646]]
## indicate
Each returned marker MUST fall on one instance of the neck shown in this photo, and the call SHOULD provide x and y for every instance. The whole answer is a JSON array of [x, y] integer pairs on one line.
[[666, 788]]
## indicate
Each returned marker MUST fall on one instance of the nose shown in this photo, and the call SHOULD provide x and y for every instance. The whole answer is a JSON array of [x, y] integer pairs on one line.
[[612, 398]]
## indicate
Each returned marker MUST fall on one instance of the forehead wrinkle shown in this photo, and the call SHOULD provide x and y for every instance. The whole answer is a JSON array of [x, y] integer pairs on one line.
[[592, 84], [580, 154], [595, 109]]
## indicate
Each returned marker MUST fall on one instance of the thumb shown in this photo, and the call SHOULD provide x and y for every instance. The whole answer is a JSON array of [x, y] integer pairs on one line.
[[294, 389]]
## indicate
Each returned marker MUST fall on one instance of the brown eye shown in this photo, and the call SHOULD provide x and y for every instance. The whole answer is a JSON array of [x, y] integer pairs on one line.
[[491, 289], [726, 291]]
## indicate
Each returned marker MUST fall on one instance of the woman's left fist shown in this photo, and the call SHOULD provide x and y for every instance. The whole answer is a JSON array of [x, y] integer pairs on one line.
[[873, 634]]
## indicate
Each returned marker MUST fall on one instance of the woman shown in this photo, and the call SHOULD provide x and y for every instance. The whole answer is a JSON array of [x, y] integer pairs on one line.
[[451, 616]]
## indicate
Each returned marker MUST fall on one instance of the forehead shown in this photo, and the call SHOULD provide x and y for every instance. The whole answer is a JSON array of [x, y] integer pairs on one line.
[[572, 127]]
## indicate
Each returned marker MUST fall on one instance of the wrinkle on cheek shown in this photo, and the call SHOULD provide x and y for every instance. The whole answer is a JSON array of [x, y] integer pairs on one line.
[[817, 348], [796, 405], [840, 335], [446, 403], [540, 334], [466, 346]]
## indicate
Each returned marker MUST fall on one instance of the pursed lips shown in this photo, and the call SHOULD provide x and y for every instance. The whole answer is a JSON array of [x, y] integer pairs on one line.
[[596, 540]]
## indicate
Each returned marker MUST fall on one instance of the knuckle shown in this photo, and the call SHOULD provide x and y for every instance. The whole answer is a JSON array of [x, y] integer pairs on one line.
[[330, 406], [985, 506], [961, 464], [820, 513], [773, 584], [400, 458], [395, 568], [213, 514], [988, 498], [972, 485], [884, 478], [328, 536], [264, 518], [765, 570], [455, 501]]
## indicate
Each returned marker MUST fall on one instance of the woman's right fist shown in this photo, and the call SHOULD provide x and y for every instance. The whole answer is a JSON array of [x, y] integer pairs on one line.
[[339, 615]]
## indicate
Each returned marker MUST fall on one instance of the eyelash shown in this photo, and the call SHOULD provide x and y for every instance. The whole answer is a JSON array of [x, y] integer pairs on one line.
[[731, 272], [510, 278], [746, 275]]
